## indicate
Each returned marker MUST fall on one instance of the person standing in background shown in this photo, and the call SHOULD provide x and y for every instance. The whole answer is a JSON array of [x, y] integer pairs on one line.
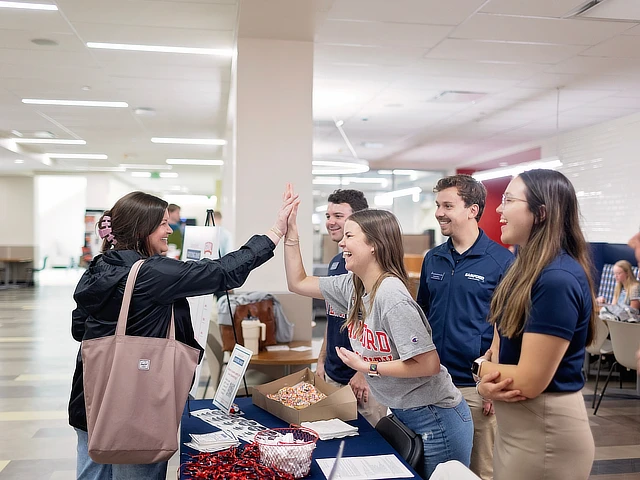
[[457, 281], [343, 203], [225, 244], [176, 225]]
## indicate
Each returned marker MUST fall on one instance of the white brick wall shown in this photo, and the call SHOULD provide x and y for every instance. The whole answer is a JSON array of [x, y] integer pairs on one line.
[[603, 163]]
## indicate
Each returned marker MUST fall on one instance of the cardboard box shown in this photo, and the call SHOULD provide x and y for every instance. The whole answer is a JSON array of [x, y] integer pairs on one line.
[[340, 402]]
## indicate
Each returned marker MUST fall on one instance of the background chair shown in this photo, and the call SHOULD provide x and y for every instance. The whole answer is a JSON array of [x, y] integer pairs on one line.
[[600, 346], [405, 441], [625, 338], [31, 271]]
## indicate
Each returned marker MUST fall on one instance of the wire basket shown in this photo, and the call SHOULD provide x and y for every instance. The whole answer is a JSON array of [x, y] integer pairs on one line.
[[291, 457]]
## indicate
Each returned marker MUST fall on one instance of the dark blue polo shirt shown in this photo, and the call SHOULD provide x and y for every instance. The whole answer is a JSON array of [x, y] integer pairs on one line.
[[333, 366], [455, 293], [561, 306]]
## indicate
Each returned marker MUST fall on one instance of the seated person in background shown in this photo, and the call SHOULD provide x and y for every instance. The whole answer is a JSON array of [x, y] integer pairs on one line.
[[627, 291]]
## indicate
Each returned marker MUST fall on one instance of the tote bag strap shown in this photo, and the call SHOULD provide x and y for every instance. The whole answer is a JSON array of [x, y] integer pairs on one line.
[[126, 301]]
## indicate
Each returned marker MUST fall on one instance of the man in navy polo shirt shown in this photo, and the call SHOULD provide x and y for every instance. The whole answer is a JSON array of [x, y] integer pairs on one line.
[[456, 285], [343, 203]]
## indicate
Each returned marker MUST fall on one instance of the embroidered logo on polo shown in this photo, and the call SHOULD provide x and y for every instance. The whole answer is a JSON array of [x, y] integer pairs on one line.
[[473, 276], [334, 265], [437, 276]]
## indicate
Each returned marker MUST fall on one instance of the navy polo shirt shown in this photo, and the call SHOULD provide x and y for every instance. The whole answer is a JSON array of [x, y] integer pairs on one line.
[[333, 366], [455, 293], [561, 306]]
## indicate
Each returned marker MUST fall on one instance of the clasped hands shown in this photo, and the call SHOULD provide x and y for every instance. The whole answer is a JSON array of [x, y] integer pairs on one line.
[[492, 388]]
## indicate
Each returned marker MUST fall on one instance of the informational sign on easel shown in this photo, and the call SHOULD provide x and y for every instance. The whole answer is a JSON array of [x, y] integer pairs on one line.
[[199, 243], [231, 378]]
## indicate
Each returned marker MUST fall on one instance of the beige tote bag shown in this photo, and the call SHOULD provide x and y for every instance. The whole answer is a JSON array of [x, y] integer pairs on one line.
[[135, 389]]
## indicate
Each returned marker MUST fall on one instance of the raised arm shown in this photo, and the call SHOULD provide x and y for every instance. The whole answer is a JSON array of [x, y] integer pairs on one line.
[[297, 279]]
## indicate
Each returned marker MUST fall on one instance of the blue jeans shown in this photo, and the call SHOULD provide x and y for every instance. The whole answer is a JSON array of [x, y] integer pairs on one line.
[[87, 469], [447, 433]]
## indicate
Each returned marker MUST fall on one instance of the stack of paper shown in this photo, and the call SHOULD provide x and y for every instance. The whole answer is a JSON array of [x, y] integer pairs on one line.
[[213, 442], [334, 428]]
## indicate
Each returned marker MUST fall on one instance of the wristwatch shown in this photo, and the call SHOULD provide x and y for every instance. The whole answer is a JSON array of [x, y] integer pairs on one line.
[[475, 367], [373, 369]]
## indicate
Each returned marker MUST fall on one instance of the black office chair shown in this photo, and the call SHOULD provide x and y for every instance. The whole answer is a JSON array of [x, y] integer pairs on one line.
[[405, 441]]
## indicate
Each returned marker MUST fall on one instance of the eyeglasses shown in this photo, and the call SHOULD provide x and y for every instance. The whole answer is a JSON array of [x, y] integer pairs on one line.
[[507, 200]]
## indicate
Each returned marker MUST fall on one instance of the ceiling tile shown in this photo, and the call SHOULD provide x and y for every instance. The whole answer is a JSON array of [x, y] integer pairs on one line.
[[382, 34], [503, 52], [429, 12], [213, 16], [581, 64], [460, 68], [539, 8], [622, 46], [393, 56], [540, 30]]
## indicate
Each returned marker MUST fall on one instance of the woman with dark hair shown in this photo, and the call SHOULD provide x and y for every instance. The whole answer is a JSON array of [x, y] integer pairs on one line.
[[389, 334], [544, 316], [137, 228]]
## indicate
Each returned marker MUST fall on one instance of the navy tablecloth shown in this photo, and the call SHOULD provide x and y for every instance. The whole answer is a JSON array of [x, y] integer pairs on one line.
[[368, 442]]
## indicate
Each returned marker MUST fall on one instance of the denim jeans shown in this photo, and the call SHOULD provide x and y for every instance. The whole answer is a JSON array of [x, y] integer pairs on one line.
[[87, 469], [447, 433]]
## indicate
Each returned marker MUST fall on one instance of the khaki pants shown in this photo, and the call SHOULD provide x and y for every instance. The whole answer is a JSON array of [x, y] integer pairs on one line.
[[546, 437], [372, 410], [484, 434]]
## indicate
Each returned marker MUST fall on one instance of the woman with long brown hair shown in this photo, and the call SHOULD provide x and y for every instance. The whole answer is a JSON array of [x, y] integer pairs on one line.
[[389, 334], [544, 315]]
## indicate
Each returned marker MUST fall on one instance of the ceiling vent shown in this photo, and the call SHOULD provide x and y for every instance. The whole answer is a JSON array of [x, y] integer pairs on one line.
[[453, 96], [608, 10]]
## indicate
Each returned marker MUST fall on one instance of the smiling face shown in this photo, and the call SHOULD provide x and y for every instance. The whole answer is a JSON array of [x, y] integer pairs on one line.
[[336, 216], [515, 216], [158, 238], [452, 215], [357, 253]]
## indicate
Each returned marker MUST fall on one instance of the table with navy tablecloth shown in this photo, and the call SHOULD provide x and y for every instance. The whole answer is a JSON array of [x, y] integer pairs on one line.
[[368, 442]]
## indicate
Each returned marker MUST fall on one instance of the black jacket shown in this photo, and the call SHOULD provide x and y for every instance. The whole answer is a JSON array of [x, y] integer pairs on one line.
[[161, 283]]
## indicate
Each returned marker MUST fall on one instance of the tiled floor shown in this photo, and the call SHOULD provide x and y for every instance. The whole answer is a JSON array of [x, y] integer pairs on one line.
[[37, 357]]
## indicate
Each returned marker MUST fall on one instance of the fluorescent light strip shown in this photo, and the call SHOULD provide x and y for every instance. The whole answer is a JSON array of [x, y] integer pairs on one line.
[[550, 163], [386, 199], [193, 161], [99, 169], [221, 52], [168, 175], [339, 168], [190, 141], [85, 156], [28, 6], [141, 174], [74, 103], [140, 166], [49, 141]]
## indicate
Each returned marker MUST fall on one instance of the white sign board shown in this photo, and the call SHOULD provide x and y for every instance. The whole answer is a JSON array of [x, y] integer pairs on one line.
[[231, 378], [200, 242]]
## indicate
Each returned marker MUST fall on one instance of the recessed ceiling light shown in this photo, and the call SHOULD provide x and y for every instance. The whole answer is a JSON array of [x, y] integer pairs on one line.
[[50, 141], [190, 141], [372, 145], [28, 6], [141, 174], [74, 103], [162, 49], [192, 161], [141, 166], [44, 42], [17, 160], [85, 156]]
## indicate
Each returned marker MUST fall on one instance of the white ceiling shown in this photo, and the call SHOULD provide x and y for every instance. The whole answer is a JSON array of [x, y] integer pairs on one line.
[[378, 66]]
